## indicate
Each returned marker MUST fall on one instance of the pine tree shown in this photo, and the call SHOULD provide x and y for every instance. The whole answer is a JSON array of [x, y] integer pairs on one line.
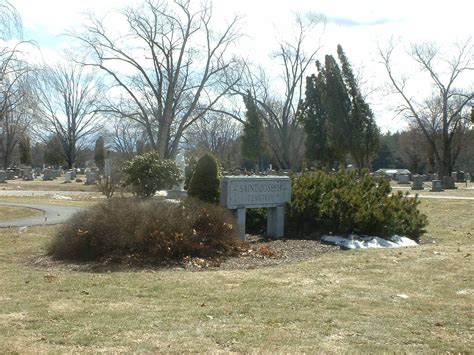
[[205, 181], [363, 135], [99, 153], [318, 145], [338, 106], [254, 147]]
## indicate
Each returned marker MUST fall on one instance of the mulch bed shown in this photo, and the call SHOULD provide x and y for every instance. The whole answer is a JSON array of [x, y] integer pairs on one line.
[[265, 252], [261, 252]]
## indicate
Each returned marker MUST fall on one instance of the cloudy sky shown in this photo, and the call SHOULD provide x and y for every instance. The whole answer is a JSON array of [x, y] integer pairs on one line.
[[358, 25]]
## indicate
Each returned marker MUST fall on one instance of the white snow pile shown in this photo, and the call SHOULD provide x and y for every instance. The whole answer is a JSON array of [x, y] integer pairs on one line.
[[354, 241]]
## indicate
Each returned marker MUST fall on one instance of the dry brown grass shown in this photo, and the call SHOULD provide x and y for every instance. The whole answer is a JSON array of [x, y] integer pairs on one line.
[[10, 212], [338, 302]]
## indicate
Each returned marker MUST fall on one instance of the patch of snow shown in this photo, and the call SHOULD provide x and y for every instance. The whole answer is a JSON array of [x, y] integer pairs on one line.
[[161, 193], [62, 197], [467, 291], [365, 242]]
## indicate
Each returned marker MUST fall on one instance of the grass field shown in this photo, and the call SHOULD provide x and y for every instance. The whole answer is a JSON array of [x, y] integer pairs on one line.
[[10, 212], [415, 300]]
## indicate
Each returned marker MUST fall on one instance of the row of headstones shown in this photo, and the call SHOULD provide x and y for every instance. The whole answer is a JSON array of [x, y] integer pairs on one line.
[[23, 173], [48, 174], [448, 183], [91, 177], [456, 177]]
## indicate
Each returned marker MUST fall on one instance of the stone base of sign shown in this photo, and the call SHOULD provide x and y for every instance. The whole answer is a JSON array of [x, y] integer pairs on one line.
[[275, 221], [239, 215]]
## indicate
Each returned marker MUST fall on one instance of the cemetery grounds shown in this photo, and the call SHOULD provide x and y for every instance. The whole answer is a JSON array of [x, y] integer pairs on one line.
[[415, 300]]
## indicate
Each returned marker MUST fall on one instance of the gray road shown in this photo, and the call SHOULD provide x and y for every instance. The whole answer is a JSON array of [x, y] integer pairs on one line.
[[51, 214]]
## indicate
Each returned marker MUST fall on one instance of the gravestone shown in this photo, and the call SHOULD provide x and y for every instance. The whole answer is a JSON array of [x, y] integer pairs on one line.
[[3, 176], [57, 173], [48, 174], [108, 167], [272, 192], [449, 183], [467, 176], [403, 179], [91, 178], [461, 176], [454, 175], [28, 175], [10, 174], [68, 176], [436, 186], [417, 182]]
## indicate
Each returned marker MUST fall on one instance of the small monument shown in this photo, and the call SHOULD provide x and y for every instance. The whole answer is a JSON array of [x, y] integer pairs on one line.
[[48, 174], [403, 179], [436, 186], [91, 178], [417, 182], [178, 190], [68, 176], [449, 183], [10, 174]]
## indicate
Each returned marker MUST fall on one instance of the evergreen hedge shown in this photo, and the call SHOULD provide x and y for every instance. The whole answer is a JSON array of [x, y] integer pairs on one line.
[[347, 202], [205, 181]]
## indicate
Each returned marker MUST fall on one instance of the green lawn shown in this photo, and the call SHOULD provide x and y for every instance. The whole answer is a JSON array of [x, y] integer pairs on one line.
[[340, 302]]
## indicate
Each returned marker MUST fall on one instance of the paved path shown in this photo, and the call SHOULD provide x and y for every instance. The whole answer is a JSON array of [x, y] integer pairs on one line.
[[51, 214], [40, 193], [446, 197]]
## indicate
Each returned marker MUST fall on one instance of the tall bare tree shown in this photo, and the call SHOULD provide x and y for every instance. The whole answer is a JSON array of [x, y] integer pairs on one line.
[[17, 103], [444, 115], [219, 135], [10, 21], [167, 68], [68, 96], [278, 108]]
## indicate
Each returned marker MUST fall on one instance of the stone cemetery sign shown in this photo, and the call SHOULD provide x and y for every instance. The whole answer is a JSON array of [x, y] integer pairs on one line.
[[271, 192]]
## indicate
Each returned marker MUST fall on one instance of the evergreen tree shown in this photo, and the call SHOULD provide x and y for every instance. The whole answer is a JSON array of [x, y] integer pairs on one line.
[[25, 150], [254, 147], [318, 145], [338, 106], [99, 153], [205, 181], [363, 133]]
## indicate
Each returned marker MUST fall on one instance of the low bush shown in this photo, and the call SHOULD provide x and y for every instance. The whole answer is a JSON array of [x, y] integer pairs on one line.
[[346, 202], [147, 173], [148, 230], [256, 220]]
